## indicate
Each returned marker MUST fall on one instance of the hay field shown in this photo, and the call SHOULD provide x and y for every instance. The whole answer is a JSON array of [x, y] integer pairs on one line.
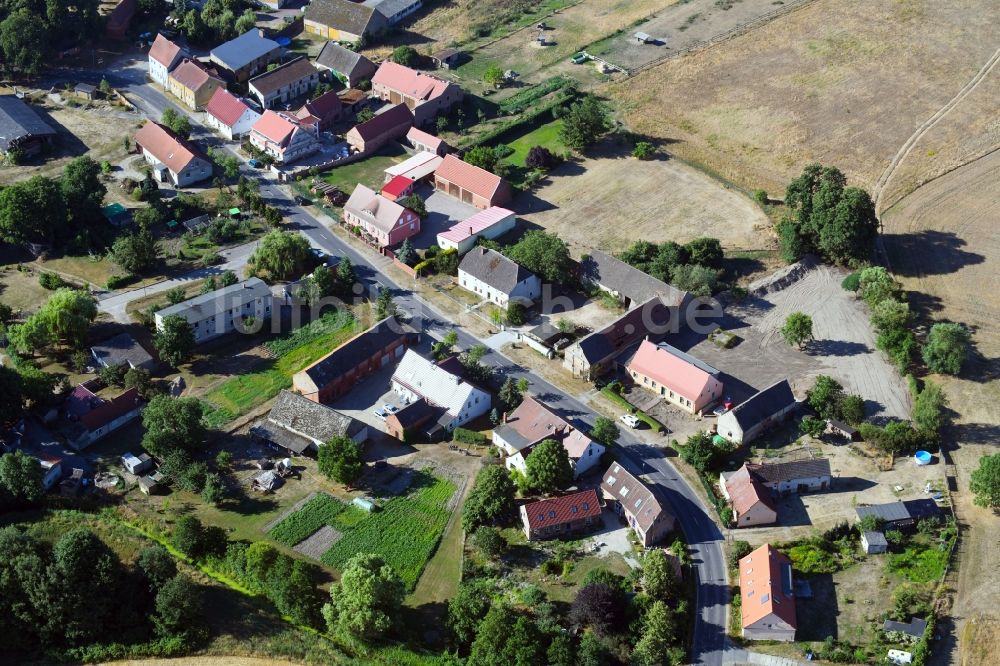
[[843, 82], [610, 200]]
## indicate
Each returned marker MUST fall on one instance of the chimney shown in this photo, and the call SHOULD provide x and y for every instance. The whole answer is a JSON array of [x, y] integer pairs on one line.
[[470, 231], [261, 33], [505, 417]]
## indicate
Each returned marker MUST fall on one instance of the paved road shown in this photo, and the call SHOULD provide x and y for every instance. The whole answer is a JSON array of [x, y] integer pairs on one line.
[[703, 536]]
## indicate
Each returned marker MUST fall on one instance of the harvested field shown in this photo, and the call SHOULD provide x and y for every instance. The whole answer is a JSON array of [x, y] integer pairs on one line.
[[590, 204], [841, 82], [318, 543]]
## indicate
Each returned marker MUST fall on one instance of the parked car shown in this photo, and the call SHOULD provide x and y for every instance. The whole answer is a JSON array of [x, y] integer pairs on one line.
[[255, 164], [318, 253], [720, 410], [630, 420], [302, 201], [391, 409], [380, 413]]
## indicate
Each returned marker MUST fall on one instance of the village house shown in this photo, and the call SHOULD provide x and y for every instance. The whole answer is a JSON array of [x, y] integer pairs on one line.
[[193, 85], [425, 95], [767, 595], [94, 417], [497, 278], [561, 516], [680, 379], [301, 426], [174, 160], [383, 221], [410, 421], [343, 21], [21, 129], [350, 67], [284, 137], [121, 350], [794, 476], [346, 366], [247, 55], [164, 55], [222, 311], [285, 83], [597, 353], [470, 184], [424, 142], [417, 378], [530, 424], [417, 168], [759, 413], [369, 136], [229, 115], [327, 109], [636, 503], [490, 223], [749, 498]]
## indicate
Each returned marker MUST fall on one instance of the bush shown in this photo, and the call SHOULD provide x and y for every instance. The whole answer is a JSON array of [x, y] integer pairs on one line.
[[50, 281], [852, 282], [468, 436], [760, 196], [643, 150]]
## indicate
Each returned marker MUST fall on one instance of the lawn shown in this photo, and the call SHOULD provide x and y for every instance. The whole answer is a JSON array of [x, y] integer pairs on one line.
[[405, 531], [20, 289], [240, 394], [546, 135], [368, 171]]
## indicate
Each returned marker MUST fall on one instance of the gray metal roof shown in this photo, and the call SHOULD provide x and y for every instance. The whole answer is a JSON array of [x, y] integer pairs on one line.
[[238, 53], [19, 121], [763, 404], [391, 8], [494, 269], [875, 538], [615, 275], [347, 62], [210, 304], [119, 350], [792, 470], [915, 627], [890, 512]]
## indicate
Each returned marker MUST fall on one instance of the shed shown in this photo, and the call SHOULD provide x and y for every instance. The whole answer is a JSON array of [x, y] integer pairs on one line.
[[149, 485], [911, 631], [874, 543], [446, 58], [842, 429], [196, 225], [365, 503], [643, 38], [267, 482], [85, 90], [137, 464], [899, 657]]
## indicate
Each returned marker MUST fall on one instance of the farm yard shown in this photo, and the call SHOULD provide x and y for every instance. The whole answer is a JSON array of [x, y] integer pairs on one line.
[[590, 205], [835, 70]]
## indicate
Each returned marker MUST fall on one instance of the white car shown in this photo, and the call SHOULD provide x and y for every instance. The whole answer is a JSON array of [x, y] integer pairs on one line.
[[380, 413], [630, 420], [390, 409]]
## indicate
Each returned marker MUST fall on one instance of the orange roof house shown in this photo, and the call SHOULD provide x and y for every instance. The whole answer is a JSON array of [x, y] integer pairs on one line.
[[193, 84], [680, 379], [767, 595], [750, 499], [561, 516], [471, 184], [172, 157]]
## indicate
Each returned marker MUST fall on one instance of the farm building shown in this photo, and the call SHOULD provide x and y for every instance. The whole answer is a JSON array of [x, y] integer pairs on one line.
[[52, 469], [446, 58], [629, 284], [398, 188], [121, 350], [768, 597], [346, 366], [425, 142], [301, 425], [327, 109], [222, 311], [416, 168], [172, 158], [417, 378], [382, 221], [530, 424], [910, 632], [762, 411], [349, 66], [471, 184], [96, 417], [680, 379], [498, 279], [874, 543], [21, 128], [229, 114], [796, 476], [561, 516], [750, 499], [901, 515], [285, 83], [426, 96], [490, 223], [247, 55], [120, 19], [369, 136], [636, 503], [395, 11], [343, 21], [411, 420]]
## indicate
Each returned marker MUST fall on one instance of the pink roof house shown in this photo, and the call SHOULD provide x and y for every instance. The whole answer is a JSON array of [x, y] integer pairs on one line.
[[383, 221], [680, 379], [490, 223], [425, 95]]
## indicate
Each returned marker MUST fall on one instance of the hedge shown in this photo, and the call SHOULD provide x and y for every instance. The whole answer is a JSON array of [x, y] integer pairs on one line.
[[619, 400], [468, 436]]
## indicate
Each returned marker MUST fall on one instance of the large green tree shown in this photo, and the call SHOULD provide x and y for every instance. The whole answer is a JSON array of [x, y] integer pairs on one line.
[[173, 423], [22, 40], [947, 348], [134, 252], [585, 122], [929, 409], [699, 451], [544, 254], [825, 396], [491, 498], [366, 601], [83, 191], [33, 211], [11, 395], [659, 631], [179, 608], [468, 607], [985, 482], [20, 478], [174, 340], [605, 431], [65, 318], [281, 255], [797, 329], [548, 468], [340, 460], [658, 577], [156, 565]]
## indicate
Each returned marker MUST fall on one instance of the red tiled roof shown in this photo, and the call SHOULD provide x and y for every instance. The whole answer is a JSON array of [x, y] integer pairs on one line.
[[108, 411], [327, 105], [274, 126], [226, 107], [419, 136], [163, 50], [175, 153], [468, 177], [409, 81], [559, 510], [191, 75], [745, 492], [765, 586], [397, 186]]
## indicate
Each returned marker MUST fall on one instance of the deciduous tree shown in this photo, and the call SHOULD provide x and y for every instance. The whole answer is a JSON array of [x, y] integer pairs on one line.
[[548, 468], [179, 608], [985, 482], [605, 431], [584, 123], [174, 341], [598, 607], [797, 329], [20, 478], [544, 254], [491, 498], [173, 423], [281, 256], [366, 601], [947, 348], [340, 460]]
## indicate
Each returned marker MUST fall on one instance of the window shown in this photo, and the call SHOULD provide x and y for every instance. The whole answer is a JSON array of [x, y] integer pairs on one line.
[[749, 594], [586, 506], [573, 509], [552, 514], [611, 480], [624, 492], [764, 599]]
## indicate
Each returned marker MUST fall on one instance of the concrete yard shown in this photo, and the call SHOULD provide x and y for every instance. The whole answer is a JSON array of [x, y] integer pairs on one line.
[[443, 212]]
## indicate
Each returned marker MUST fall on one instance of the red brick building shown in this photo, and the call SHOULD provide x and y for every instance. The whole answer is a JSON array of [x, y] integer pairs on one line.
[[561, 516]]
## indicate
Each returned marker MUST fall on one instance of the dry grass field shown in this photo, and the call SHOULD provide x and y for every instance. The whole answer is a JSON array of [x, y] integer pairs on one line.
[[591, 204], [843, 82]]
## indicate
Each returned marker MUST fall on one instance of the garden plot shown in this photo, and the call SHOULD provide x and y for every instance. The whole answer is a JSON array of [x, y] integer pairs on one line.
[[319, 542]]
